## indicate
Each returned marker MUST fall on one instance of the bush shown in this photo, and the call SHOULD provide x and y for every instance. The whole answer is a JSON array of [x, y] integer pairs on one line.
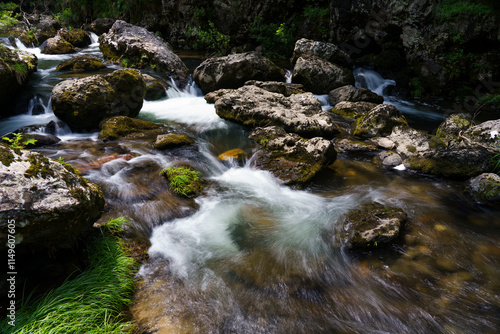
[[210, 39], [276, 39]]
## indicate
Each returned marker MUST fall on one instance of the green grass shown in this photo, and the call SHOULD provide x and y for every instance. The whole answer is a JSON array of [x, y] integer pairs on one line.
[[184, 181], [448, 9], [92, 302]]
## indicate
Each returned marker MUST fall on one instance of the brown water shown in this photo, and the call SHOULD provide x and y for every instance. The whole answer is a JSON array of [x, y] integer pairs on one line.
[[252, 256]]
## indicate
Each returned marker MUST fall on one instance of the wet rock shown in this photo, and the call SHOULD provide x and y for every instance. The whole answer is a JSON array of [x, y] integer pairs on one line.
[[134, 46], [15, 69], [40, 139], [284, 88], [299, 113], [51, 204], [485, 188], [290, 157], [234, 154], [100, 26], [172, 140], [215, 95], [120, 126], [453, 125], [232, 71], [352, 109], [373, 225], [154, 89], [390, 159], [349, 145], [352, 94], [84, 103], [57, 45], [379, 121], [76, 37], [327, 51], [84, 168], [411, 142], [81, 63], [320, 76]]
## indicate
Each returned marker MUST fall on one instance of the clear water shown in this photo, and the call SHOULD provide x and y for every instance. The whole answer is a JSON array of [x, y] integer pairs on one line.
[[253, 256]]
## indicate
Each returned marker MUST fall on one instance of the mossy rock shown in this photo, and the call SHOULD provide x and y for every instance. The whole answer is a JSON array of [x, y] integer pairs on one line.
[[81, 63], [154, 89], [485, 188], [172, 140], [184, 181], [57, 45], [353, 109], [120, 126], [379, 121], [76, 36], [453, 125]]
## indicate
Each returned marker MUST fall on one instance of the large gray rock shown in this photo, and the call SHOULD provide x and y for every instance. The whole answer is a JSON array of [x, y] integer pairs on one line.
[[253, 106], [49, 203], [290, 157], [379, 121], [76, 37], [57, 45], [15, 68], [84, 103], [327, 51], [232, 71], [284, 88], [134, 46], [320, 76], [352, 94], [372, 226]]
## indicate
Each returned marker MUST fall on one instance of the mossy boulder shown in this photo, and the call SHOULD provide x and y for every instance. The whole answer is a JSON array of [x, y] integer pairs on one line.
[[134, 46], [320, 76], [172, 140], [76, 37], [453, 125], [184, 181], [350, 145], [289, 157], [372, 226], [57, 45], [154, 89], [81, 63], [486, 133], [379, 121], [121, 126], [84, 103], [352, 109], [232, 71], [15, 69], [49, 203], [485, 188], [100, 26]]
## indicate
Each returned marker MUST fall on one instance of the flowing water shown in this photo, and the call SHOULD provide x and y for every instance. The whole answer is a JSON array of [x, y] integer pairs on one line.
[[253, 256]]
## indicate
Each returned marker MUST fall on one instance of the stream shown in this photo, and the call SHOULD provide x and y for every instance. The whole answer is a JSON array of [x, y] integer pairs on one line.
[[253, 256]]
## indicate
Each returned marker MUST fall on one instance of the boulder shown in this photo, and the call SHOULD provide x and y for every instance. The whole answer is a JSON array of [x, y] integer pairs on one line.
[[254, 106], [49, 203], [320, 76], [81, 63], [76, 37], [232, 71], [41, 139], [121, 126], [15, 68], [133, 46], [390, 159], [352, 109], [379, 121], [284, 88], [172, 140], [453, 125], [57, 45], [84, 168], [100, 26], [353, 94], [487, 133], [44, 27], [289, 157], [327, 51], [349, 145], [485, 188], [154, 89], [83, 103], [373, 225], [410, 142]]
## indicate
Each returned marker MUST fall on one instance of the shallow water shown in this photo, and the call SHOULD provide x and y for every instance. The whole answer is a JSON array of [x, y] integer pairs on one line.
[[252, 256]]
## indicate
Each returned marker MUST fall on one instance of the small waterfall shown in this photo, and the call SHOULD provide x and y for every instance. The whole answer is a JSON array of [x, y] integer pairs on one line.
[[288, 76], [94, 39], [373, 81]]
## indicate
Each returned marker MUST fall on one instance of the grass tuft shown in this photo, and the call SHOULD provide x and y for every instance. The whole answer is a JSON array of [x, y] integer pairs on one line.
[[184, 181], [92, 302]]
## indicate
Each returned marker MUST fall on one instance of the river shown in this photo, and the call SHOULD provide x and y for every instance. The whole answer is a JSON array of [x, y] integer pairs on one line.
[[253, 256]]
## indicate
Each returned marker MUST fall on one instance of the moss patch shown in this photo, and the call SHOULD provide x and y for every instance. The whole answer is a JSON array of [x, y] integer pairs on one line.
[[40, 166], [120, 126], [184, 181], [6, 155]]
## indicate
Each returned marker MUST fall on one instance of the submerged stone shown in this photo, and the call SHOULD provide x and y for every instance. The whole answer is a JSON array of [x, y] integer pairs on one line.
[[172, 140], [120, 126]]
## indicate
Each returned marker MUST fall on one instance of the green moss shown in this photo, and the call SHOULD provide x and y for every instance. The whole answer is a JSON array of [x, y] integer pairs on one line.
[[344, 113], [172, 140], [184, 181], [40, 166], [120, 126], [436, 143], [443, 167], [411, 148], [6, 155]]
